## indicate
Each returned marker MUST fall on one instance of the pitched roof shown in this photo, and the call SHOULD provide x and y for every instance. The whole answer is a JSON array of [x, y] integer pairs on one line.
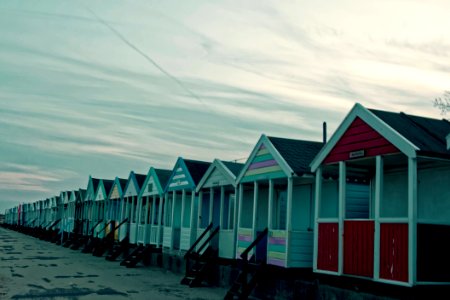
[[197, 169], [140, 178], [123, 183], [298, 154], [235, 168], [163, 176], [429, 135], [108, 185], [95, 182]]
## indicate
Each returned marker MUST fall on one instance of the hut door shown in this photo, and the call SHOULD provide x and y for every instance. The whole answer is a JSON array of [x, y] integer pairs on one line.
[[358, 231]]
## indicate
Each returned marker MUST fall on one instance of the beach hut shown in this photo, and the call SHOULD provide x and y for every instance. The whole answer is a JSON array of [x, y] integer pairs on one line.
[[129, 207], [382, 199], [88, 204], [113, 206], [217, 192], [99, 207], [181, 204], [148, 216], [151, 200], [276, 198], [74, 219], [64, 214], [114, 243]]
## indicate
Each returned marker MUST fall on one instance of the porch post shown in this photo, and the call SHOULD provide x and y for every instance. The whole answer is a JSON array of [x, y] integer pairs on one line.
[[255, 208], [222, 200], [318, 199], [199, 209], [211, 203], [183, 206], [192, 220], [290, 187], [234, 221], [379, 175], [160, 211], [341, 214], [152, 220], [270, 210], [412, 219], [174, 197]]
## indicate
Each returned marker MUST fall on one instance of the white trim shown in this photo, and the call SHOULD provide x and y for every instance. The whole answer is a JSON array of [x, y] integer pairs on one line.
[[317, 199], [217, 164], [394, 282], [432, 222], [328, 220], [211, 204], [378, 197], [327, 272], [341, 214], [270, 210], [404, 145], [255, 207], [290, 186], [432, 283], [393, 220], [412, 216], [222, 200]]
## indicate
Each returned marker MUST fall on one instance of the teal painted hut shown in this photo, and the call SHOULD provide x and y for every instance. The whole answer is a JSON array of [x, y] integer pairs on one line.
[[180, 209], [276, 193], [217, 192], [150, 209]]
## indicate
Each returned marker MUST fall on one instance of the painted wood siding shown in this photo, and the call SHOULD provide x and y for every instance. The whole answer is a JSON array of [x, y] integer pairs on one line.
[[357, 201], [179, 180], [394, 251], [277, 248], [167, 237], [226, 244], [263, 166], [300, 249], [150, 188], [360, 136], [358, 248], [185, 238], [328, 255], [115, 193], [216, 178], [245, 238]]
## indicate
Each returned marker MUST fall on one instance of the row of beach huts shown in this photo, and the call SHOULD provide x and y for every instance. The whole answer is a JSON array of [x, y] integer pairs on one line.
[[370, 205]]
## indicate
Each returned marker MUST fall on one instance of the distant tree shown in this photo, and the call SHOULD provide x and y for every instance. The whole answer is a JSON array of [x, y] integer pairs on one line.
[[443, 103]]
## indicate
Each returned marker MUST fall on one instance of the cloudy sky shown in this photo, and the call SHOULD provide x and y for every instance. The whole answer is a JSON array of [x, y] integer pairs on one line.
[[105, 87]]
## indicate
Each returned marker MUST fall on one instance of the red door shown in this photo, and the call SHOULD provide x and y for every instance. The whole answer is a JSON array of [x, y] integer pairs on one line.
[[328, 245], [358, 247], [394, 251]]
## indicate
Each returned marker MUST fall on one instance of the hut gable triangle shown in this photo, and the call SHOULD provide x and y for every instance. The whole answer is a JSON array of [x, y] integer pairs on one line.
[[359, 140], [180, 178], [264, 163], [217, 175], [151, 185], [132, 187], [387, 132]]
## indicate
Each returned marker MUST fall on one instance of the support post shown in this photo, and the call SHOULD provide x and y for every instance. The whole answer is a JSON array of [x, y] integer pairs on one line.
[[412, 219], [255, 208], [183, 206], [318, 200], [222, 205], [271, 208], [211, 204], [174, 198], [379, 178], [160, 218], [341, 214], [290, 187]]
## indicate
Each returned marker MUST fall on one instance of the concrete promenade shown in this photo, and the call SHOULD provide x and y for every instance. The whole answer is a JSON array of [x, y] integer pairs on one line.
[[35, 269]]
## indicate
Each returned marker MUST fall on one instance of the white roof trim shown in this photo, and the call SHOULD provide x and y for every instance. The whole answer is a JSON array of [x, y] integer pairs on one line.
[[398, 140], [217, 164]]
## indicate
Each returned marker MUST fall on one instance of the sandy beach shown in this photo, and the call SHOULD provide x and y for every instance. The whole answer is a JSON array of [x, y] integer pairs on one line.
[[35, 269]]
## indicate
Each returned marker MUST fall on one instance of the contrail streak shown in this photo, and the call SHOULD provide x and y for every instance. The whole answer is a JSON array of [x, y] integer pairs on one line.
[[148, 58]]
